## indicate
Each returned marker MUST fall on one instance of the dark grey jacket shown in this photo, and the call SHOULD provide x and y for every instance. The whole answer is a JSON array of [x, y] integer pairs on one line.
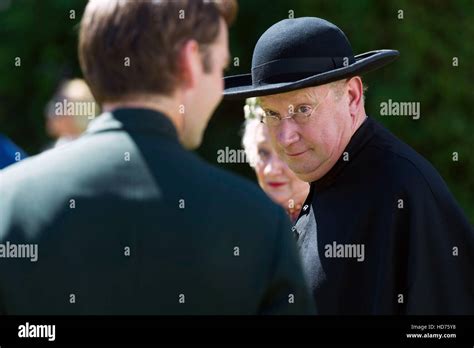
[[129, 222]]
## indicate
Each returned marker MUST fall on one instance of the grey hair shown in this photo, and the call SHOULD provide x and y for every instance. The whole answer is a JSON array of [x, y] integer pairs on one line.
[[253, 113], [337, 88]]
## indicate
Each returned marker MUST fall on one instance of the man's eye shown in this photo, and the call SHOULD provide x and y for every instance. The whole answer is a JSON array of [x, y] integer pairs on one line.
[[270, 113], [304, 109]]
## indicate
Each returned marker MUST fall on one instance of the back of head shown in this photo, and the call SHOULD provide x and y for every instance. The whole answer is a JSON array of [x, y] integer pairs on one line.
[[128, 48]]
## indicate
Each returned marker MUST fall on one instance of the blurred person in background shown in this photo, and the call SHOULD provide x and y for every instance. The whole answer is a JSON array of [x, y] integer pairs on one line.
[[10, 153], [69, 112], [273, 175]]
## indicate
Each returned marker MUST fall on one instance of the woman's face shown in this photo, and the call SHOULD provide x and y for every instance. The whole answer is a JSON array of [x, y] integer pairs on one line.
[[274, 176]]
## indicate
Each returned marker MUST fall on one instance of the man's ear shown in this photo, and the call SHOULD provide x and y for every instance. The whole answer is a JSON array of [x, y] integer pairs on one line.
[[355, 92], [190, 64]]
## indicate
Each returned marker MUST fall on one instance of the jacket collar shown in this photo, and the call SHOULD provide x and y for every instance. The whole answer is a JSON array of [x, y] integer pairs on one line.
[[134, 120], [360, 138]]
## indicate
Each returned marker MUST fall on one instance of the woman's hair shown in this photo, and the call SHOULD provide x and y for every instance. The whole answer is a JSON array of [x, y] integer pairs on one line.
[[253, 113]]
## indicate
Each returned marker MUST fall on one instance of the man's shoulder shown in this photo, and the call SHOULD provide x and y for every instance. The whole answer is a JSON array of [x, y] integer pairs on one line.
[[27, 168], [81, 167], [402, 165], [95, 163], [235, 190], [53, 162]]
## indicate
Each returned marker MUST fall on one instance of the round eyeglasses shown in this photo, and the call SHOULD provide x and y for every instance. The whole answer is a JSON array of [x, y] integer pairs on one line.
[[300, 116]]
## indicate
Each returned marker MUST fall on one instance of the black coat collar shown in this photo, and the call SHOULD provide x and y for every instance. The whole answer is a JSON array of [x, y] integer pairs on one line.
[[134, 120]]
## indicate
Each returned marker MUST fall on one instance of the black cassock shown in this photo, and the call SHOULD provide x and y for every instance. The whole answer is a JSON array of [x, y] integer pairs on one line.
[[382, 234]]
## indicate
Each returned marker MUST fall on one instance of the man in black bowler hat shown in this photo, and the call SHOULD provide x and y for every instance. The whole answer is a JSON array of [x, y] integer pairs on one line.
[[379, 233]]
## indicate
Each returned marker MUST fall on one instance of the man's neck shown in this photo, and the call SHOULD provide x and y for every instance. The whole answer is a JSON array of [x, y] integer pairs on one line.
[[169, 107], [361, 119]]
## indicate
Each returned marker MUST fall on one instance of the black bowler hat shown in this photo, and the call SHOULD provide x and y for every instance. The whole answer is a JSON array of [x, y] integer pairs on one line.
[[299, 53]]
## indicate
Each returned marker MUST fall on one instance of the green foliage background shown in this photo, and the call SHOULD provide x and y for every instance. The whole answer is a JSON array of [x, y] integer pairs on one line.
[[430, 34]]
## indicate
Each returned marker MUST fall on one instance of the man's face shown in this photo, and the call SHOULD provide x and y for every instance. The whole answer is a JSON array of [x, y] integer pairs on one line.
[[274, 176], [208, 90], [312, 148]]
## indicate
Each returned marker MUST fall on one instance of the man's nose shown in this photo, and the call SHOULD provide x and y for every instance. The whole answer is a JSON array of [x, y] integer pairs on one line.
[[288, 132]]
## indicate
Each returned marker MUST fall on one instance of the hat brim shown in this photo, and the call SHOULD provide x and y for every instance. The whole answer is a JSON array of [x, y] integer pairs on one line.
[[240, 86]]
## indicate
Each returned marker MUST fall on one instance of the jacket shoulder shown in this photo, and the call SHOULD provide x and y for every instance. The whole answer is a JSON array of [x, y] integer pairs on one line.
[[237, 192], [402, 165]]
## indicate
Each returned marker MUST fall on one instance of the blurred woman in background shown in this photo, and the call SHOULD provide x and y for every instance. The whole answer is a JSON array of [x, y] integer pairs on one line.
[[273, 175]]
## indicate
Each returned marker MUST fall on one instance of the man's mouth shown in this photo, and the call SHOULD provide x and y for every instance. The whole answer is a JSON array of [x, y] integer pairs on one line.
[[296, 153]]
